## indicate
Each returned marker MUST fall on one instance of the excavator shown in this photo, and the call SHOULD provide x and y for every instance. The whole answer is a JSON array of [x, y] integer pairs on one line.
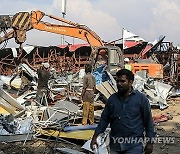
[[18, 25]]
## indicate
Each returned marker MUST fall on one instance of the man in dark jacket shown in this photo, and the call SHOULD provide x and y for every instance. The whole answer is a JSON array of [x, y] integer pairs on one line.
[[129, 114]]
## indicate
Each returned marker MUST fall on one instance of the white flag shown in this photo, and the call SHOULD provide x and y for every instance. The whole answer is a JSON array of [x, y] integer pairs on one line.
[[130, 39]]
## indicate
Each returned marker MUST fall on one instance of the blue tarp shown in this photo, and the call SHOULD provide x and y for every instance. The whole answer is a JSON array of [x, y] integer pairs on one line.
[[101, 75], [82, 127]]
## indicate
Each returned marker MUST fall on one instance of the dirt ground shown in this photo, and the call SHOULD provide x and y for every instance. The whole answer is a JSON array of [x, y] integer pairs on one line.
[[168, 129]]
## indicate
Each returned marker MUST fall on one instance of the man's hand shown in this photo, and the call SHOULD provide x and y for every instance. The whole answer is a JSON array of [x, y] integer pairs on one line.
[[148, 148], [93, 142]]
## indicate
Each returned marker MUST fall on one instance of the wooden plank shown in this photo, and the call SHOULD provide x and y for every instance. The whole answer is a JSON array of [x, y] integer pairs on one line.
[[12, 101], [103, 90], [80, 134], [7, 106], [108, 87]]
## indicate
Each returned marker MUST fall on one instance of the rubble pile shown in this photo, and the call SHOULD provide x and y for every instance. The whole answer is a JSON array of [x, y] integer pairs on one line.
[[23, 119]]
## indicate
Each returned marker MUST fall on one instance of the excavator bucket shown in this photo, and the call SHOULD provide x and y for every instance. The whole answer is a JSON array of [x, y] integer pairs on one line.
[[21, 23]]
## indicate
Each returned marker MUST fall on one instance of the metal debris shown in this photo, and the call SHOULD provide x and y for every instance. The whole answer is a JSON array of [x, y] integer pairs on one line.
[[62, 116]]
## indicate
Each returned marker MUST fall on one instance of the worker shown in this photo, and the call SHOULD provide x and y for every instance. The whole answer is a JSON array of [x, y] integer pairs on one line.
[[87, 95], [127, 64], [129, 114], [43, 77]]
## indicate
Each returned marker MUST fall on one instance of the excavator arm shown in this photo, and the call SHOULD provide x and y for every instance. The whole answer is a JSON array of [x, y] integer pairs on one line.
[[22, 22]]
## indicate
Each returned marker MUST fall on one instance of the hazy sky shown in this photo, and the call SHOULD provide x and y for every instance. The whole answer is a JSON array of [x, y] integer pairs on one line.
[[146, 18]]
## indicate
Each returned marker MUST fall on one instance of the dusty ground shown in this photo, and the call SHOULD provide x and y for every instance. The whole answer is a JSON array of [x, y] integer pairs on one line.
[[170, 128], [38, 146]]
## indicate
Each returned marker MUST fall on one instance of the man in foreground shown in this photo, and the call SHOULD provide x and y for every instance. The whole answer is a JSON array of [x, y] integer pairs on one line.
[[129, 114]]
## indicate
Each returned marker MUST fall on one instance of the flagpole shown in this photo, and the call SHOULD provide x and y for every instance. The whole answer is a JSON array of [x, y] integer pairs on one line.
[[123, 42]]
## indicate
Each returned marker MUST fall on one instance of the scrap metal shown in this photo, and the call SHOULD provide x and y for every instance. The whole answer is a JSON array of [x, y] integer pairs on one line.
[[60, 59]]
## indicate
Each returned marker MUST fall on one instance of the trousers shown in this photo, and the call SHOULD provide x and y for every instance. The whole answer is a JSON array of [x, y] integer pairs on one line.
[[88, 113], [133, 150], [40, 96]]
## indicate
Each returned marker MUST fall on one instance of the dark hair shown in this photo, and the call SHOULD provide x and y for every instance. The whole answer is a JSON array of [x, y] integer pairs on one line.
[[128, 73], [88, 68]]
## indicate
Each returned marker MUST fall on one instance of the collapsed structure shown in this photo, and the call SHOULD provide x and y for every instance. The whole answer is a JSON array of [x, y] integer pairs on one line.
[[63, 114]]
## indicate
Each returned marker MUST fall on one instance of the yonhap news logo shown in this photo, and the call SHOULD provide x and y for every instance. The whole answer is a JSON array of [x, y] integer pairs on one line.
[[132, 140]]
